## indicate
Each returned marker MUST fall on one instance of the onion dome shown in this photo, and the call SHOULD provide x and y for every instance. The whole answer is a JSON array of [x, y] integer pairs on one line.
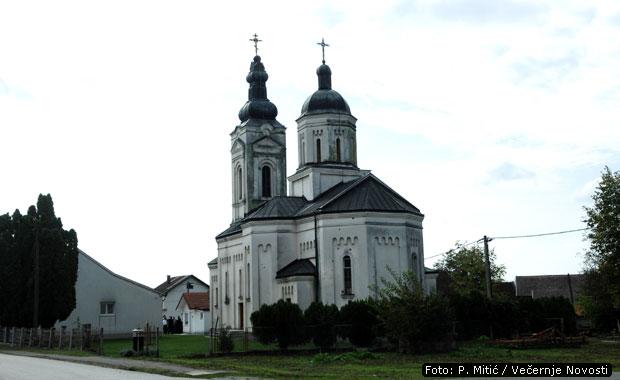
[[325, 99], [257, 106]]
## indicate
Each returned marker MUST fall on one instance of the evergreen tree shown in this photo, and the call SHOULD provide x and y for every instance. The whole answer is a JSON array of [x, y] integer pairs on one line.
[[21, 236]]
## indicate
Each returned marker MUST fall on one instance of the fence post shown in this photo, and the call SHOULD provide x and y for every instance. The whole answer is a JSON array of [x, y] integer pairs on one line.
[[21, 337], [157, 342], [60, 333], [40, 335], [13, 337], [70, 339], [82, 339], [100, 348], [30, 338]]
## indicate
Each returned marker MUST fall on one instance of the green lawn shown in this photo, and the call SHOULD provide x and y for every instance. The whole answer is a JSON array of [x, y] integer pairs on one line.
[[175, 349]]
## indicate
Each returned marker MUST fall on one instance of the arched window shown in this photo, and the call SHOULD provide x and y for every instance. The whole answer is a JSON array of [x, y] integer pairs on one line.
[[338, 150], [240, 283], [266, 177], [226, 288], [247, 282], [240, 183], [346, 261], [318, 150], [303, 152]]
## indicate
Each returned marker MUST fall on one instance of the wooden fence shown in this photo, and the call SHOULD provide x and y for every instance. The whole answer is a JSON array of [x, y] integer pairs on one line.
[[64, 339]]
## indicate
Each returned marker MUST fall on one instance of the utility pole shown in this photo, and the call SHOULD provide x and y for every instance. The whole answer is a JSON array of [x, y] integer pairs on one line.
[[35, 306], [487, 263]]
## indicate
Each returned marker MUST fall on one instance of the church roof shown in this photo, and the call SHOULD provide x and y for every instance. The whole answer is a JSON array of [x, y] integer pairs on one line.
[[278, 207], [297, 267], [366, 193]]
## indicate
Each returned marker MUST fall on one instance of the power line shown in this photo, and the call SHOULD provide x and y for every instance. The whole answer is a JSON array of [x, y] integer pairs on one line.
[[460, 246], [510, 237], [537, 235]]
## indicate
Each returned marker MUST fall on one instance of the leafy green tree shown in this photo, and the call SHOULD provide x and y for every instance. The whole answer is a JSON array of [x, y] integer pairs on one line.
[[466, 268], [321, 321], [603, 257], [412, 320], [360, 323], [21, 236], [281, 322]]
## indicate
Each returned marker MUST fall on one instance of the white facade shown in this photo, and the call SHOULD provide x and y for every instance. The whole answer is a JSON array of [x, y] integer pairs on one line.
[[109, 301], [333, 239], [171, 297], [195, 321], [250, 261]]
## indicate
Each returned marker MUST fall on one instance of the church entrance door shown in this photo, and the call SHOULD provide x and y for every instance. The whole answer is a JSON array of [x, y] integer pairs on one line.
[[241, 315]]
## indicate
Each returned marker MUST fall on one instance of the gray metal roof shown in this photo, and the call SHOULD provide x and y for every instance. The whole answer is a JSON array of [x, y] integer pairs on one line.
[[366, 193], [550, 285], [166, 286], [297, 267], [278, 207]]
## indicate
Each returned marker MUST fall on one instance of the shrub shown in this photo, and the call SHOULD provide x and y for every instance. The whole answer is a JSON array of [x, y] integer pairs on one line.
[[281, 322], [411, 319], [320, 323], [360, 320], [226, 340], [559, 307], [262, 324]]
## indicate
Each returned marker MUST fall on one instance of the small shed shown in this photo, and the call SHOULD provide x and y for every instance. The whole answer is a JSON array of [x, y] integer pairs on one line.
[[195, 314]]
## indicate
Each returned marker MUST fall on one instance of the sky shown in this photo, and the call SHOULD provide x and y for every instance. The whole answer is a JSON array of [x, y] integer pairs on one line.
[[492, 117]]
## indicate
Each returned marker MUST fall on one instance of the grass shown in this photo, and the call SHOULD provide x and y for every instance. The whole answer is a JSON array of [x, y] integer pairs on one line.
[[176, 349]]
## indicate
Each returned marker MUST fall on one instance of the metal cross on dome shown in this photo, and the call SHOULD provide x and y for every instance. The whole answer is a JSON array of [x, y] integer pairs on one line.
[[256, 41], [323, 45]]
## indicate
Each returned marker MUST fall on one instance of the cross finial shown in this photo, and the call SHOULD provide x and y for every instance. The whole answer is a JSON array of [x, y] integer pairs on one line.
[[323, 45], [256, 41]]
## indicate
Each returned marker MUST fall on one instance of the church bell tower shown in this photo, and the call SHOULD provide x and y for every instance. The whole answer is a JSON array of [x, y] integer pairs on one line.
[[258, 152], [326, 137]]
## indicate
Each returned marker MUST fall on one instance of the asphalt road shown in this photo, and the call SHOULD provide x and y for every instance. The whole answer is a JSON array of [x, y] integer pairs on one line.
[[27, 368]]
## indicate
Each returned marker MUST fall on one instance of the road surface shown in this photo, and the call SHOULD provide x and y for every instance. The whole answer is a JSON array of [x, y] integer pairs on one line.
[[28, 368]]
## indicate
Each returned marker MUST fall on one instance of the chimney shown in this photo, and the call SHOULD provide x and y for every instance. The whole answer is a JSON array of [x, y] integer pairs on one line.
[[168, 279]]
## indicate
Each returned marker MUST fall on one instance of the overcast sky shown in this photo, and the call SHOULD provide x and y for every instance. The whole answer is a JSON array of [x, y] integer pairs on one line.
[[492, 117]]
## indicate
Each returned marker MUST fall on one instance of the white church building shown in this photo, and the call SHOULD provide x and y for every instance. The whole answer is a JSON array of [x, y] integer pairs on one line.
[[332, 238]]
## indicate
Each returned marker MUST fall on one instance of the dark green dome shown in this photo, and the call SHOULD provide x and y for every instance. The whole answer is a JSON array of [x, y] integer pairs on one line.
[[257, 106], [325, 99]]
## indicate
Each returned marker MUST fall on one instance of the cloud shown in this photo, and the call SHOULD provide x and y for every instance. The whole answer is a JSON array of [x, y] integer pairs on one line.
[[547, 71], [519, 141], [474, 11], [509, 172]]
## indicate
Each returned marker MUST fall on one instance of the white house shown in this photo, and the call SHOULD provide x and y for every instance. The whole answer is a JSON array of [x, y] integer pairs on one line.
[[172, 289], [338, 232], [107, 300], [194, 311]]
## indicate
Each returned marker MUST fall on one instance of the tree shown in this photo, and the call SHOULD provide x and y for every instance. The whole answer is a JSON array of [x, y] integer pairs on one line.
[[360, 320], [603, 221], [412, 320], [281, 322], [320, 322], [21, 237], [465, 267]]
